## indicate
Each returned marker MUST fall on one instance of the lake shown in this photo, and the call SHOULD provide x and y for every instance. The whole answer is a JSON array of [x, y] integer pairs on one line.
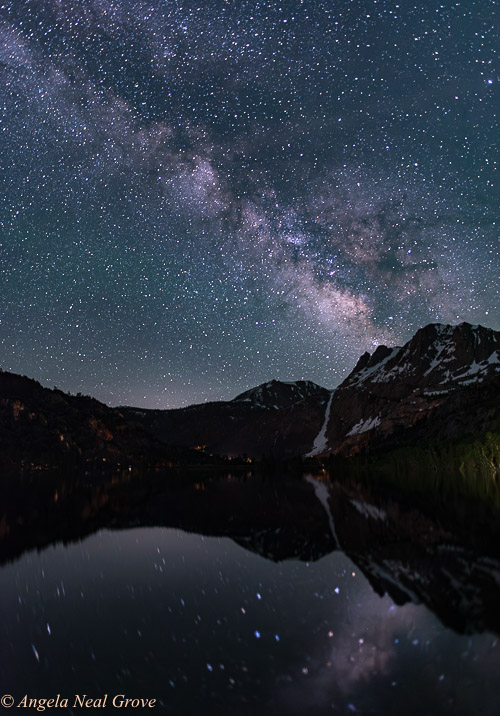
[[253, 596]]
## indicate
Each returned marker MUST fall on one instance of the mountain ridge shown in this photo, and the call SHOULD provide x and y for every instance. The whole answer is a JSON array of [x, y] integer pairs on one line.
[[400, 387], [275, 418], [391, 396], [444, 383]]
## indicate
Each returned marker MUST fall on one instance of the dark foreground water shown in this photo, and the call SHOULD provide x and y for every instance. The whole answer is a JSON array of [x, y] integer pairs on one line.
[[273, 618]]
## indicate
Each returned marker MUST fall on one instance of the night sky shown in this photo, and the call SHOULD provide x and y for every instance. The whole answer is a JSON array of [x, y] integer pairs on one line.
[[199, 197]]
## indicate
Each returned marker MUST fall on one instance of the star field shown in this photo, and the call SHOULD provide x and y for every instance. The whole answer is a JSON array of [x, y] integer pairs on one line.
[[198, 197]]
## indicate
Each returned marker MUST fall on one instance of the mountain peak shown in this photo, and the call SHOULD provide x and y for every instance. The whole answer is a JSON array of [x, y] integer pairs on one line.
[[437, 354], [454, 352], [279, 394]]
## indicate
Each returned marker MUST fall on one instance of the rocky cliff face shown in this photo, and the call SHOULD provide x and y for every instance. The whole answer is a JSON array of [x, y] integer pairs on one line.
[[443, 384]]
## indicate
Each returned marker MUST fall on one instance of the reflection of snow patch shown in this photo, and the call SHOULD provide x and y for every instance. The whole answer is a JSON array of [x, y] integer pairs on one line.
[[322, 494], [320, 442], [370, 510], [364, 425], [385, 571]]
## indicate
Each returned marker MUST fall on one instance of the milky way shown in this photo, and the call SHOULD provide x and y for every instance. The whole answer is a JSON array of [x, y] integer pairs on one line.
[[198, 197]]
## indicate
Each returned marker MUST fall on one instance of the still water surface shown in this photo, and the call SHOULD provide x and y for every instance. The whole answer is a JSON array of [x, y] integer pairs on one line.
[[208, 626]]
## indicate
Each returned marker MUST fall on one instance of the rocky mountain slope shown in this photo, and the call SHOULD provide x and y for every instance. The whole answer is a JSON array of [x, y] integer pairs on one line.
[[443, 384], [275, 418], [42, 427]]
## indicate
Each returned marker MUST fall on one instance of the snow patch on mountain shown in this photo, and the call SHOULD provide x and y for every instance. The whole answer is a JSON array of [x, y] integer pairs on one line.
[[365, 373], [364, 425], [320, 442], [383, 376], [444, 352]]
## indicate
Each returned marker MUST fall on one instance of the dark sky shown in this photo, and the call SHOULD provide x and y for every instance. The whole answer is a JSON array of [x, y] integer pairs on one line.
[[198, 197]]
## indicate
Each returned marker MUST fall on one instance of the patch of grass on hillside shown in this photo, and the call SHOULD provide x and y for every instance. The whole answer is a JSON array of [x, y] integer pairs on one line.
[[469, 468]]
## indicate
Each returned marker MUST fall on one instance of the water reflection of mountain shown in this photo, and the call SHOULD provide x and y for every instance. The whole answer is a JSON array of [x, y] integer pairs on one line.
[[277, 520], [447, 559]]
